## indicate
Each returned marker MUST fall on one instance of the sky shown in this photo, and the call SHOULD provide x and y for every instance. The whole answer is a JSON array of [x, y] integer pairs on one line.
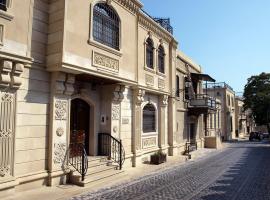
[[230, 39]]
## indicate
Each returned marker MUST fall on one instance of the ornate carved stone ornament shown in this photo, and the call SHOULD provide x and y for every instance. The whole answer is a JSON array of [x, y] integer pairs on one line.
[[118, 93], [115, 111], [149, 80], [60, 131], [59, 153], [149, 142], [139, 96], [164, 100], [103, 62], [61, 109], [4, 170], [109, 2], [131, 5]]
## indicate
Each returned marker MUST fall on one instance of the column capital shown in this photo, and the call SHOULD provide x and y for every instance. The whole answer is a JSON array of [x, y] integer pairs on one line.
[[139, 96], [164, 100]]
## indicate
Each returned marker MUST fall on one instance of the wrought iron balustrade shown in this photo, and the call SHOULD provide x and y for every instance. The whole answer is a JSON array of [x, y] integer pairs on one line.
[[203, 100], [111, 147]]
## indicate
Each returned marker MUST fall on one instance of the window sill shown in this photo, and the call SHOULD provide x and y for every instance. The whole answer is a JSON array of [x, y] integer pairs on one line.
[[149, 69], [161, 74], [105, 48], [6, 15]]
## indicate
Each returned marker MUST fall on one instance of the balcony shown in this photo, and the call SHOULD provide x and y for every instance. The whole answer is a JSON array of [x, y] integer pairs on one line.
[[201, 104]]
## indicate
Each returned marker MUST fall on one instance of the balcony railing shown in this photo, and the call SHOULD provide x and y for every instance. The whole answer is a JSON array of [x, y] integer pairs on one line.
[[203, 100], [216, 85]]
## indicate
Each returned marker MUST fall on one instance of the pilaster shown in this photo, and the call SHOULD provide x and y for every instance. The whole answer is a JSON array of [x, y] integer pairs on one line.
[[163, 102]]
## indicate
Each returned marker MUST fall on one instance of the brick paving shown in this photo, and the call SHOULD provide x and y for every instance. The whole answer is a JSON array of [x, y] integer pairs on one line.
[[241, 171]]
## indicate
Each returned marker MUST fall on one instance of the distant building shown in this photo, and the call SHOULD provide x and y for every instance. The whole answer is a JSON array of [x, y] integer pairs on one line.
[[240, 118]]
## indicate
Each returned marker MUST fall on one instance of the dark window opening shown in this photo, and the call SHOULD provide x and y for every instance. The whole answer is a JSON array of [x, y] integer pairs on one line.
[[187, 88], [106, 26], [149, 53], [3, 5], [177, 86], [161, 60], [149, 118]]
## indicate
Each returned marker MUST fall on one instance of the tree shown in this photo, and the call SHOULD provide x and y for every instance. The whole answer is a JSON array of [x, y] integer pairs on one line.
[[257, 98]]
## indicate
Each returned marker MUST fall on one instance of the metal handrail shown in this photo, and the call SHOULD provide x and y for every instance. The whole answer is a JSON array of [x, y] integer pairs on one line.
[[111, 147], [188, 145]]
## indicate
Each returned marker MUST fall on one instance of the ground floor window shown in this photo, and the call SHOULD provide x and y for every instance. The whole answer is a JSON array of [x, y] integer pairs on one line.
[[149, 118]]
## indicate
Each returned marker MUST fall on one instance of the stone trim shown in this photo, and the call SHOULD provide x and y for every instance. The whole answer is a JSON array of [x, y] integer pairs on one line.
[[131, 5]]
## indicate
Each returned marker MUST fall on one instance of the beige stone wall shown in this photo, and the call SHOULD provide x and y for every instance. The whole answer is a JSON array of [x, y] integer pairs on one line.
[[32, 122]]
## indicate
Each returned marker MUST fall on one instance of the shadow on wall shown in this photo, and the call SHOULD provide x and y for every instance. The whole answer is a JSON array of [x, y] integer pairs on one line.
[[247, 179]]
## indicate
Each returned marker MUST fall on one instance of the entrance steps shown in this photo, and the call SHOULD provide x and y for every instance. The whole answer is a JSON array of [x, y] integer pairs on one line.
[[100, 170]]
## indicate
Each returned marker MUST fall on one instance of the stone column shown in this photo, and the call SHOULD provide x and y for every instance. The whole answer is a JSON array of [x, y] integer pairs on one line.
[[163, 102], [61, 91], [171, 126], [10, 81], [138, 98]]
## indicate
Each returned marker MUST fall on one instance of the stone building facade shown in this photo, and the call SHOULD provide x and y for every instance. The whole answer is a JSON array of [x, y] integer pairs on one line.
[[240, 118], [83, 69]]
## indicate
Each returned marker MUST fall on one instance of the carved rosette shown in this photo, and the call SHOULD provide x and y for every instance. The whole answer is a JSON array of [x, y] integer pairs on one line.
[[61, 109], [60, 131], [59, 153]]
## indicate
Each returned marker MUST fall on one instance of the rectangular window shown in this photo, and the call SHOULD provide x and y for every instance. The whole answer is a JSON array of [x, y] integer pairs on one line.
[[229, 100], [3, 5]]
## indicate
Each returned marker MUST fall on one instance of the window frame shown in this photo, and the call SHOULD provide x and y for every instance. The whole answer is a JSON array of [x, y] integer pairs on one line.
[[152, 49], [102, 44], [146, 130], [161, 55]]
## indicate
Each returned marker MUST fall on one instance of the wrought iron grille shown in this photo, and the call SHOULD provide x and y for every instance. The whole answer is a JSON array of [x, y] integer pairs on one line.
[[149, 53], [106, 25], [161, 59], [3, 5]]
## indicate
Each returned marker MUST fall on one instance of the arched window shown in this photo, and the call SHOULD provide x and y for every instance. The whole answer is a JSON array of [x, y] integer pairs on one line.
[[177, 86], [106, 25], [149, 118], [161, 59], [149, 53]]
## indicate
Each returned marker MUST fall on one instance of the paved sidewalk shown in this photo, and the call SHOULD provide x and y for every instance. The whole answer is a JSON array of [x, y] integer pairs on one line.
[[67, 191]]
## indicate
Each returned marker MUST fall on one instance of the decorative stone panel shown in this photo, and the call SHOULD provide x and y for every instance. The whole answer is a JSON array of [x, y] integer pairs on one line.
[[161, 83], [105, 63], [149, 142], [115, 111], [7, 116], [149, 80], [61, 109], [59, 153]]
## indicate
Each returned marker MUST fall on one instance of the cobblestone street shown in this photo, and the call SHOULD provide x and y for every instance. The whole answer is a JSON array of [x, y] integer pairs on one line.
[[241, 171]]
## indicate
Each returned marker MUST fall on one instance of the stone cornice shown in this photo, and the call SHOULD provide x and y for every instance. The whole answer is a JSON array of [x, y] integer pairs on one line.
[[132, 5], [150, 24]]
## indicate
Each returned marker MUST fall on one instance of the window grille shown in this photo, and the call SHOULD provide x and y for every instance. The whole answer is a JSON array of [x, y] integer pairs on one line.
[[3, 5], [161, 59], [149, 118], [149, 53], [106, 26]]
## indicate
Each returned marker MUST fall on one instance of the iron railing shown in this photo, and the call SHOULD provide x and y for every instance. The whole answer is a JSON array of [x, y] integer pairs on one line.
[[190, 146], [203, 100], [78, 158], [216, 85], [111, 147], [77, 154]]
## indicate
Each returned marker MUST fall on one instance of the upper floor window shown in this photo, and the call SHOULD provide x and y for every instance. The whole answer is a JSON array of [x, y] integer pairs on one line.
[[3, 5], [106, 25], [149, 118], [177, 86], [149, 53], [161, 59]]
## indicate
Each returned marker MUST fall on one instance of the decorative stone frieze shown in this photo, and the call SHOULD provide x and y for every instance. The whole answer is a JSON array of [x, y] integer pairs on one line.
[[149, 80], [131, 5], [61, 109], [149, 142], [161, 83], [104, 62], [115, 111], [59, 153]]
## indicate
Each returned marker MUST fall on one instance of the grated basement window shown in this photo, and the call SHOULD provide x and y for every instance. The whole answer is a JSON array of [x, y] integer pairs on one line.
[[149, 118], [149, 53], [3, 5], [106, 26]]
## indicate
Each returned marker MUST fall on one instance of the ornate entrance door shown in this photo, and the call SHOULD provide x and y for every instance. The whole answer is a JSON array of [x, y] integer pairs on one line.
[[79, 123]]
